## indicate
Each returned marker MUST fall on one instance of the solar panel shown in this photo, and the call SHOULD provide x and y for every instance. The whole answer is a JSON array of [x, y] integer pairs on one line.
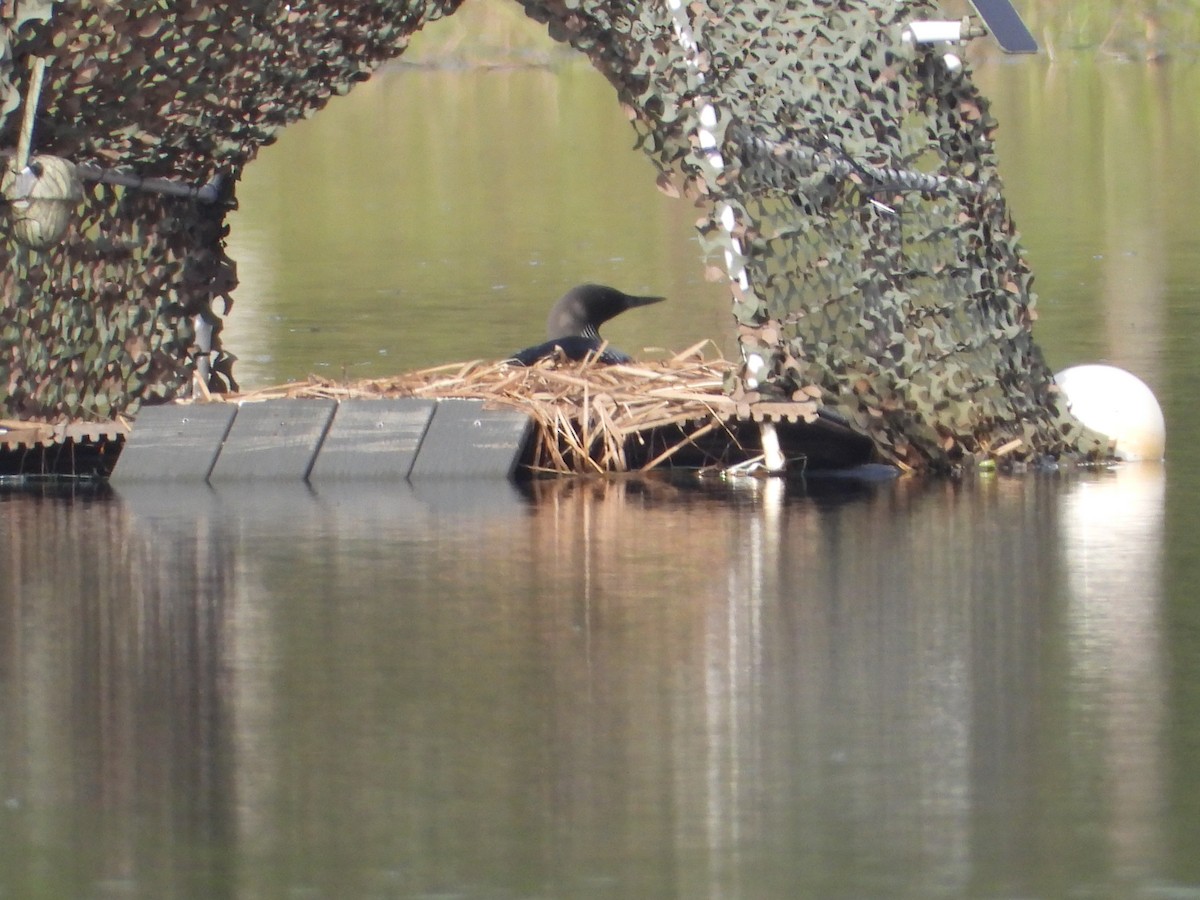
[[1005, 24]]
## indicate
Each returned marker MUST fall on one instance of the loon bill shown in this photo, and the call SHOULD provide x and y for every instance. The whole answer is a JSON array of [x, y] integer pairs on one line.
[[573, 325]]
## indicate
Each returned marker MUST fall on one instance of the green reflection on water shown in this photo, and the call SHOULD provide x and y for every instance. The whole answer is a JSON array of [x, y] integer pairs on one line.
[[1097, 163], [434, 216]]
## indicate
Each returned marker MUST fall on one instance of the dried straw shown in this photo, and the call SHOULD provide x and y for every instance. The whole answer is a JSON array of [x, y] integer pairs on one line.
[[587, 415]]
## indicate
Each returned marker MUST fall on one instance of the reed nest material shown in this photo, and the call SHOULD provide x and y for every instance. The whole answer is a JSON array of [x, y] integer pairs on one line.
[[590, 417]]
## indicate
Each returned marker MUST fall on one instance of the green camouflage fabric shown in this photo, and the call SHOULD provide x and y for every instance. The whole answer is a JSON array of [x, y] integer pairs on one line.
[[106, 320], [847, 182]]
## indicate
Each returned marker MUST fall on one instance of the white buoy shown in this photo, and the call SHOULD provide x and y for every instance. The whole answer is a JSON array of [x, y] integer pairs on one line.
[[1118, 404]]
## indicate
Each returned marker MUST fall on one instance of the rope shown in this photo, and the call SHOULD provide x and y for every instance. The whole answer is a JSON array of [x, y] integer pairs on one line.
[[757, 153]]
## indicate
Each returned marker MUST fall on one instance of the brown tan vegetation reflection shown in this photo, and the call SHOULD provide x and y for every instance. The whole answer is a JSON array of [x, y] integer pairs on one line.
[[111, 695], [635, 687]]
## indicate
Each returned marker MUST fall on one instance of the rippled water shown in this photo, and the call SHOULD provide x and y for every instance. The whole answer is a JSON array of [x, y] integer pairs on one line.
[[629, 688]]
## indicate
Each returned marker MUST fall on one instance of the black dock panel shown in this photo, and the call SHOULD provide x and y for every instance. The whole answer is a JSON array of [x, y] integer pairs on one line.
[[274, 440], [174, 442], [373, 439], [464, 440]]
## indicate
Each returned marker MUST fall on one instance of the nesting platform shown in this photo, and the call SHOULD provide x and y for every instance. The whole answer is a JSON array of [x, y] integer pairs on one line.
[[83, 449], [482, 419]]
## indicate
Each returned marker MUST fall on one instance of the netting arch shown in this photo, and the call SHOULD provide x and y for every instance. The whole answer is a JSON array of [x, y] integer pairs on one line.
[[847, 180]]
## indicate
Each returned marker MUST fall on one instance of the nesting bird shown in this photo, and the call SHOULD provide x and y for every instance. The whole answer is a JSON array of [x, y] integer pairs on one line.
[[574, 323]]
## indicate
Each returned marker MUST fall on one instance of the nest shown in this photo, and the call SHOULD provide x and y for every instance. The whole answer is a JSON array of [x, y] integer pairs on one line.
[[591, 417]]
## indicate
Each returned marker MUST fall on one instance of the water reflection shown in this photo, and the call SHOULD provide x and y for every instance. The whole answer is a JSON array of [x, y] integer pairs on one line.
[[637, 688], [1112, 538], [1101, 216]]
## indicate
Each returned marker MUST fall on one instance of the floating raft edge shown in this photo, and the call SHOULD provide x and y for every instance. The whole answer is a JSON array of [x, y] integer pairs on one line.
[[470, 420]]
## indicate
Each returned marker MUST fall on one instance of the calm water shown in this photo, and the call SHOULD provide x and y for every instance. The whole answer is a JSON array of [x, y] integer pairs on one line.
[[628, 689]]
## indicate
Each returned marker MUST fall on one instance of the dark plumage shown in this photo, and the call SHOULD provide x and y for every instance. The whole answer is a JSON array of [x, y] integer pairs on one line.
[[574, 324], [575, 347]]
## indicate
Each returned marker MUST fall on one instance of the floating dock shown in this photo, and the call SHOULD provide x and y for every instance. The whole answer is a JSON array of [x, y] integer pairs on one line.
[[467, 421], [323, 440]]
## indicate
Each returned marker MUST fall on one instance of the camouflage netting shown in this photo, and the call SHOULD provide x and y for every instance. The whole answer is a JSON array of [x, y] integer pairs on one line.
[[848, 181], [107, 319]]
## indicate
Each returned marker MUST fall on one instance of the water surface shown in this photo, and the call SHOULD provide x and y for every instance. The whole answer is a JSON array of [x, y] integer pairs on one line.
[[639, 688]]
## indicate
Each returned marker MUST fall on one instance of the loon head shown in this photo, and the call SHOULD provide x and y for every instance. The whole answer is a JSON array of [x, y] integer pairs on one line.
[[582, 310]]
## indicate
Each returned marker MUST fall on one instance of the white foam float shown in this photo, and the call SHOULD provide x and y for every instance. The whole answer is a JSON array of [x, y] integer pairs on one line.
[[1119, 404]]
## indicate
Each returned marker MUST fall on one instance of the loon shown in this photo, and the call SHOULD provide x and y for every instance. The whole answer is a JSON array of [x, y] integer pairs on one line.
[[574, 324]]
